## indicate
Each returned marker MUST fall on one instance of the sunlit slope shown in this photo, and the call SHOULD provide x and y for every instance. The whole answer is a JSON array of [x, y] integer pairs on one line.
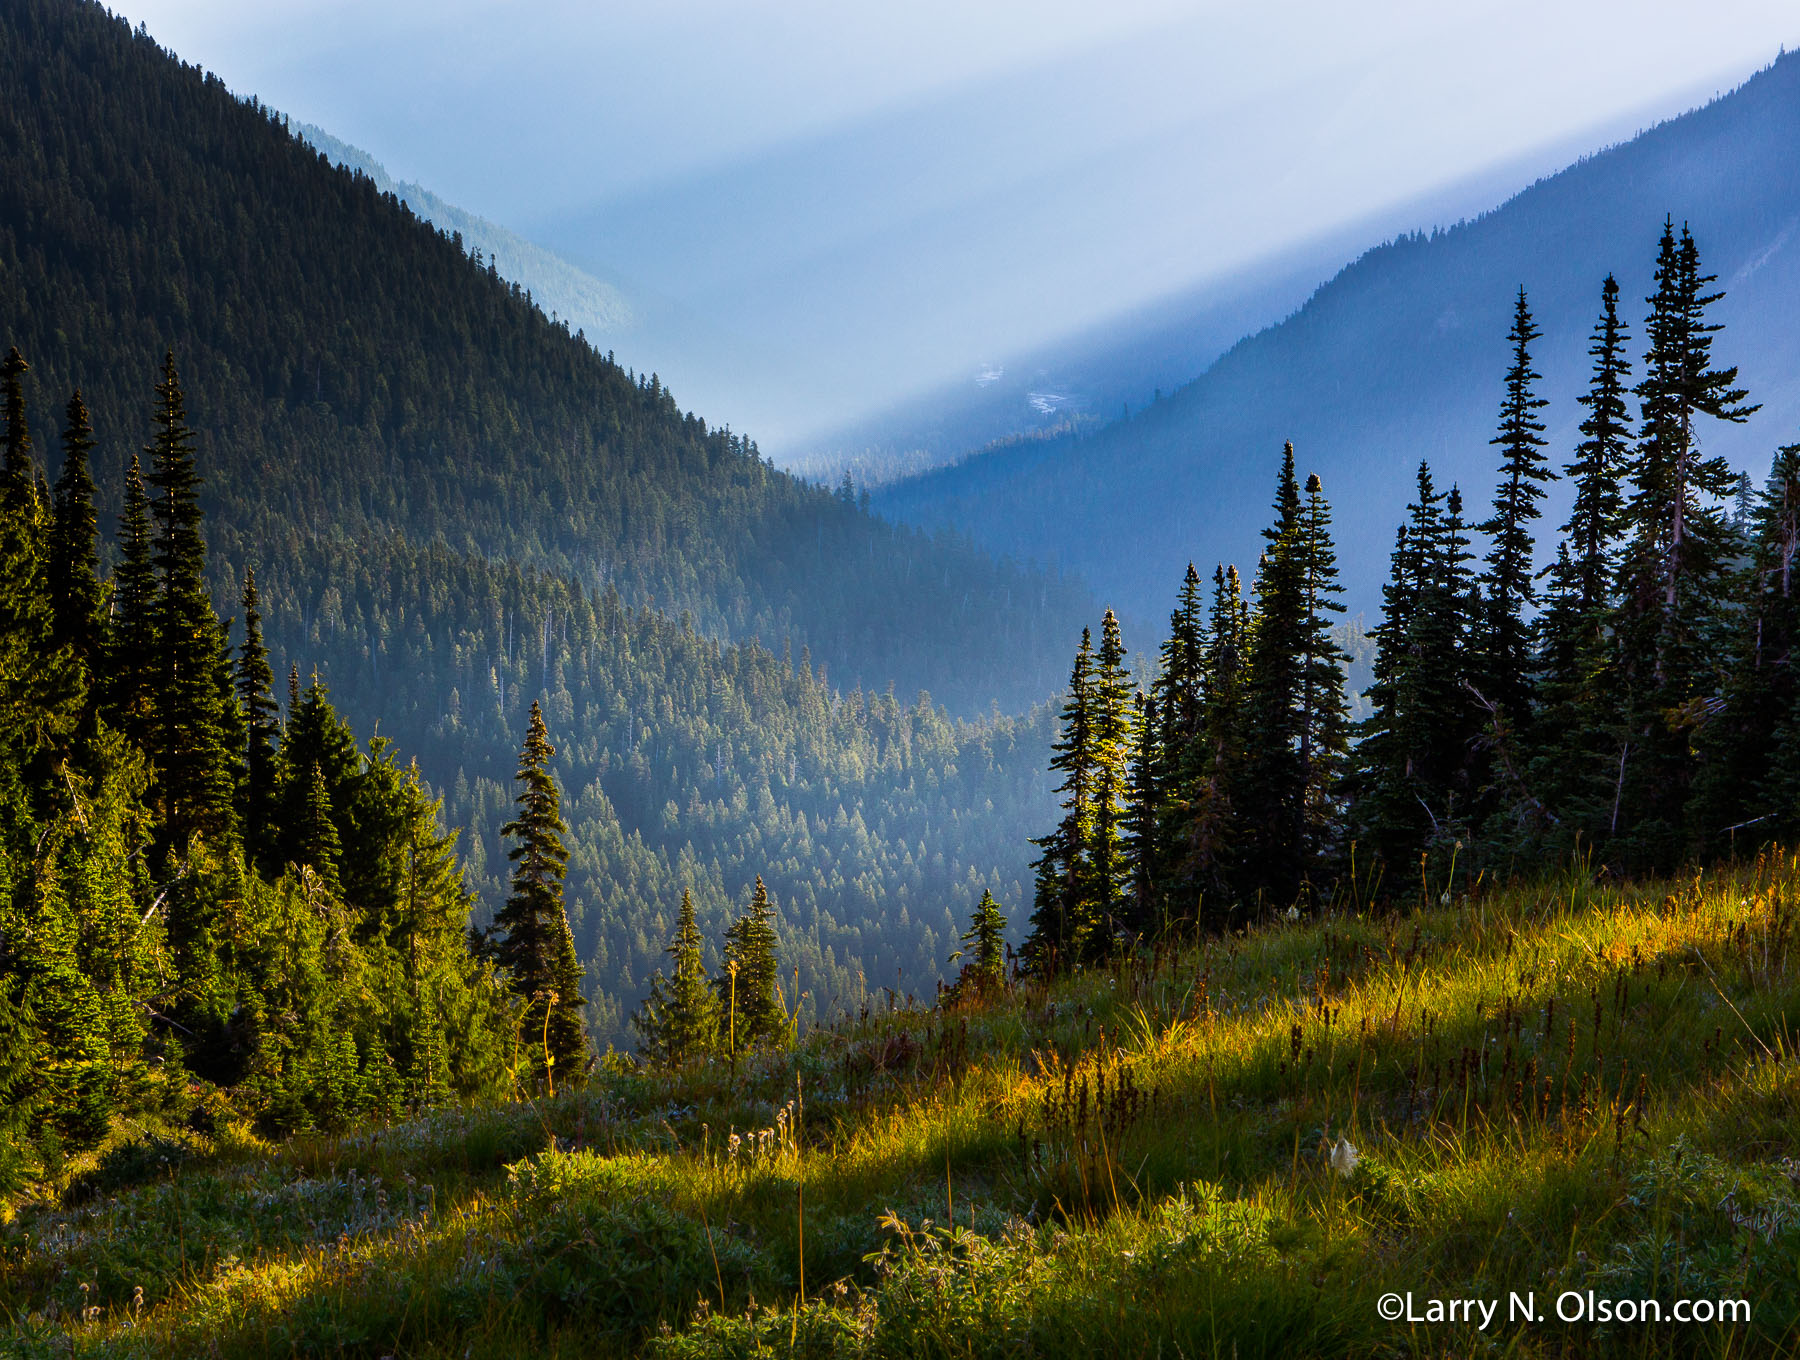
[[1557, 1087]]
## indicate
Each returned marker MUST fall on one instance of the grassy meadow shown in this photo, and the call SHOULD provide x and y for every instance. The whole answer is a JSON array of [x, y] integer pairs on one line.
[[1233, 1148]]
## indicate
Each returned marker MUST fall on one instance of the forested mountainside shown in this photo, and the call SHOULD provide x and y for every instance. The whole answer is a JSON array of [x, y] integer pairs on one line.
[[686, 764], [1401, 357], [453, 508], [568, 293], [353, 369]]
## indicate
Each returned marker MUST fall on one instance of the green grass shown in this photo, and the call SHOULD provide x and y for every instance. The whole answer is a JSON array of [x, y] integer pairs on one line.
[[1567, 1085]]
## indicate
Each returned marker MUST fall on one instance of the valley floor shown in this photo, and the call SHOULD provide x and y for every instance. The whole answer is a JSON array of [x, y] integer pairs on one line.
[[1572, 1092]]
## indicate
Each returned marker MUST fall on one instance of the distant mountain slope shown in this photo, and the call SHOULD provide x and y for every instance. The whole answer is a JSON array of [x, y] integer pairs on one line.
[[347, 361], [565, 291], [1401, 356]]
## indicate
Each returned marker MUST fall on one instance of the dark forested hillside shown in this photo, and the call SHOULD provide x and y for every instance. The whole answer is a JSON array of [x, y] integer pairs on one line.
[[686, 764], [454, 508], [1400, 358], [352, 368]]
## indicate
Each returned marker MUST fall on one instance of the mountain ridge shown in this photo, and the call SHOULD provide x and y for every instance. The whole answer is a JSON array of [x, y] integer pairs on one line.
[[1399, 356]]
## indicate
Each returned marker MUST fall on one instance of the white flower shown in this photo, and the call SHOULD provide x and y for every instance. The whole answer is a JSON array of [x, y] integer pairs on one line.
[[1293, 913], [1344, 1157]]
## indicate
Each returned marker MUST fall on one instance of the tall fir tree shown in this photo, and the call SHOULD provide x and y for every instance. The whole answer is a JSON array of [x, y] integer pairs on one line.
[[1145, 820], [1324, 711], [187, 735], [130, 685], [535, 946], [1677, 561], [679, 1020], [1112, 706], [1272, 792], [985, 973], [1203, 844], [749, 982], [317, 846], [1510, 582], [1058, 920]]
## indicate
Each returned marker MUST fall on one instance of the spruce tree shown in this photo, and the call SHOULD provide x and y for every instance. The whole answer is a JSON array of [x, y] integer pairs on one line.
[[1413, 777], [1058, 920], [1677, 562], [194, 765], [1201, 844], [131, 682], [316, 839], [1108, 860], [746, 985], [679, 1020], [985, 973], [1324, 711], [1601, 460], [74, 561], [1272, 792], [1510, 579], [315, 738], [534, 943], [1145, 821]]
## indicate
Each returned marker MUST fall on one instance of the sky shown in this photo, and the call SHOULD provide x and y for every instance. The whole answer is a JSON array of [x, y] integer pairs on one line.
[[824, 206]]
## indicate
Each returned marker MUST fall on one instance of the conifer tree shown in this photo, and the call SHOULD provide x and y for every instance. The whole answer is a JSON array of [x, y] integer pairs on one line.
[[1679, 546], [1111, 705], [316, 837], [131, 681], [262, 726], [1145, 823], [315, 738], [74, 562], [1272, 792], [1323, 711], [1413, 777], [679, 1020], [746, 986], [1057, 921], [1510, 578], [1601, 460], [187, 737], [534, 943], [985, 973], [1579, 716], [1201, 844]]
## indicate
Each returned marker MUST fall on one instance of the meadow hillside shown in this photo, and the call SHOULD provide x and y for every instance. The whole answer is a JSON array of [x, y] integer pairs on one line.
[[1571, 1088]]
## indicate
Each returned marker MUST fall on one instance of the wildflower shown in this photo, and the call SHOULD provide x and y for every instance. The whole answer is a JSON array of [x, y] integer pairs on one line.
[[1344, 1158], [1293, 913]]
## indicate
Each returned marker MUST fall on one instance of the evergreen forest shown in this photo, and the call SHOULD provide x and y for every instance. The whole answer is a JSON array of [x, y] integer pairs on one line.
[[1630, 705], [452, 507]]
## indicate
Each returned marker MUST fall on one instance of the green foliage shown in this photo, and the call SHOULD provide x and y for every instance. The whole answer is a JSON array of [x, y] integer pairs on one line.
[[1153, 1155], [533, 943], [985, 973], [679, 1021], [749, 981]]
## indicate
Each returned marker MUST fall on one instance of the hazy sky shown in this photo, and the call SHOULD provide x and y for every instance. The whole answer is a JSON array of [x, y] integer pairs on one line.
[[889, 194]]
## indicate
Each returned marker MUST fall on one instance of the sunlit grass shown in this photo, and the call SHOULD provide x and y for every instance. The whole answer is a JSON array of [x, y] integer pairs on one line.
[[1563, 1085]]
